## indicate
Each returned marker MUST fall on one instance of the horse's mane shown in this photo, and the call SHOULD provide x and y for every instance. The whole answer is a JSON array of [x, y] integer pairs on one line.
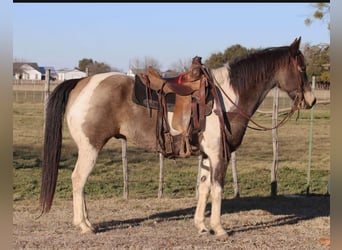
[[258, 66]]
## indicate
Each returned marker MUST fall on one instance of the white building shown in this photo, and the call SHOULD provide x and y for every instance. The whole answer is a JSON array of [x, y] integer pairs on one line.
[[66, 74], [26, 71]]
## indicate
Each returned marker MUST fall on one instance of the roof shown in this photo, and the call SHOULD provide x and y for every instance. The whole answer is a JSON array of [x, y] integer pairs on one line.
[[52, 70], [17, 66], [70, 70]]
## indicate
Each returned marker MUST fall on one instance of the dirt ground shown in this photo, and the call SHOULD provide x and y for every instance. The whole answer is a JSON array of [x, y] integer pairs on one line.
[[295, 222]]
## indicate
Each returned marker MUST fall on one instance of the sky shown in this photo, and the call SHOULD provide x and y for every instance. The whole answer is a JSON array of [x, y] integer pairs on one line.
[[61, 34]]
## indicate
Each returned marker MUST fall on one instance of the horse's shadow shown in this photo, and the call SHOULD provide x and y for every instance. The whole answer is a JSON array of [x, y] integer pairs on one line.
[[287, 210]]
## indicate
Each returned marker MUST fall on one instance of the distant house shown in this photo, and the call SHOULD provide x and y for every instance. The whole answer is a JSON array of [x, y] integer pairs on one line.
[[53, 73], [26, 71], [66, 74]]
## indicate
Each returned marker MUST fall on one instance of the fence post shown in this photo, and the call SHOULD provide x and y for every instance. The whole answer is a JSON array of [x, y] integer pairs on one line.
[[46, 92], [310, 141], [275, 143], [125, 168], [235, 177], [161, 176]]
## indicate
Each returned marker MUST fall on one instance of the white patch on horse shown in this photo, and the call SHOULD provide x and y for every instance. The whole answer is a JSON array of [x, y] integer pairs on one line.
[[211, 135], [78, 111], [221, 77]]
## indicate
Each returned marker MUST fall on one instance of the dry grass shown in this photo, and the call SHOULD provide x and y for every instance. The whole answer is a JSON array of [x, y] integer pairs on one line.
[[143, 222]]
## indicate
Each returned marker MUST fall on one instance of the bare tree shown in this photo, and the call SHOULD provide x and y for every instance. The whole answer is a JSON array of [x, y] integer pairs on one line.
[[181, 65], [322, 12], [137, 65]]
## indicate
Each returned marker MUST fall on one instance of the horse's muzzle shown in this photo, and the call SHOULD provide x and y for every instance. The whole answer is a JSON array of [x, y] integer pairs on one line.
[[309, 101]]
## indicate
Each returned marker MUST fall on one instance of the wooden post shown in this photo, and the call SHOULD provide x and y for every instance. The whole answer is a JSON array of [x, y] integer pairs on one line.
[[161, 176], [308, 180], [47, 86], [235, 177], [46, 92], [125, 168], [275, 143]]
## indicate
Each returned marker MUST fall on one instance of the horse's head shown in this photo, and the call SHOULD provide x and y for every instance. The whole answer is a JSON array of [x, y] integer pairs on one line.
[[293, 79]]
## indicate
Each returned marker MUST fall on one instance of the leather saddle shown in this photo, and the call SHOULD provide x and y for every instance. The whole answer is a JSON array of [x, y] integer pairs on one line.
[[185, 95]]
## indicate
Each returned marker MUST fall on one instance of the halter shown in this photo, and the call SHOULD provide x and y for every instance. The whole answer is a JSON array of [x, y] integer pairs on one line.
[[299, 99]]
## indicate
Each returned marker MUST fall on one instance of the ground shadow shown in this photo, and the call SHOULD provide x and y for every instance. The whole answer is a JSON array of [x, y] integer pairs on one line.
[[292, 210]]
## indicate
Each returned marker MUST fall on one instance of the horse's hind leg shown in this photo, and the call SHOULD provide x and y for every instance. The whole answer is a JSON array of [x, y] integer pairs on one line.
[[87, 156]]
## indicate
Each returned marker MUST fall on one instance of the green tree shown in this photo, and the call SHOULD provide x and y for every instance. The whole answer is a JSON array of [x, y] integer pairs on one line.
[[83, 63], [215, 60], [93, 67], [230, 54], [234, 52], [98, 67], [317, 57]]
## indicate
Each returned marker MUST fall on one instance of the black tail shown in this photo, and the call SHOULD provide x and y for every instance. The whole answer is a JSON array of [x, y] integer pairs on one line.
[[53, 141]]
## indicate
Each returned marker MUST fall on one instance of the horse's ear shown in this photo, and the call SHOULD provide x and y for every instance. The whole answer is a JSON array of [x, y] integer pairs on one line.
[[294, 47]]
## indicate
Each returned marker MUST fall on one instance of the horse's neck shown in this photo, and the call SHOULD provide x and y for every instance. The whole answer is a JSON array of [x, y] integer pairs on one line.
[[250, 99], [248, 102]]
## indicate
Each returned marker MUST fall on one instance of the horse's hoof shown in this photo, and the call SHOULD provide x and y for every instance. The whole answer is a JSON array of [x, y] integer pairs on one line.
[[87, 230], [203, 231], [221, 237]]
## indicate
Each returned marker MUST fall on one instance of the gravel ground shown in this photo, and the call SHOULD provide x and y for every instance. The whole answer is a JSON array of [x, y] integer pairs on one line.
[[252, 223]]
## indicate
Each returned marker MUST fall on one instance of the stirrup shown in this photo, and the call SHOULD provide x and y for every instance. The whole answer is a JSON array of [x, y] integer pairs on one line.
[[185, 148]]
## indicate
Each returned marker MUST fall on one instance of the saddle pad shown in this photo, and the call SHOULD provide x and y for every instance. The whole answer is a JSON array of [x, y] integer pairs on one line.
[[140, 96]]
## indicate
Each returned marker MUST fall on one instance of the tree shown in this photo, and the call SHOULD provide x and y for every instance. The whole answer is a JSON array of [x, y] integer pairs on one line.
[[215, 60], [137, 65], [93, 67], [317, 56], [230, 54], [83, 63], [98, 67], [233, 52], [322, 12], [181, 65]]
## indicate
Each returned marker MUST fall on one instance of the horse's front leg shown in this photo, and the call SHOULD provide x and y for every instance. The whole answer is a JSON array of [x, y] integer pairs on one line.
[[219, 169], [203, 193]]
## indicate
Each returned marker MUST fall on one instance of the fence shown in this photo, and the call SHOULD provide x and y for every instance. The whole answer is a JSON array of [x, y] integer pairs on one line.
[[28, 91], [31, 91]]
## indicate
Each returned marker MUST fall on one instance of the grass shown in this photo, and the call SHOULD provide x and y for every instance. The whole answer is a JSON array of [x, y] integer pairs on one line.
[[254, 160]]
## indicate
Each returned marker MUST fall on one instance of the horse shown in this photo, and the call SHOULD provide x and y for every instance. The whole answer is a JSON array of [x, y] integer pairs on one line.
[[100, 107]]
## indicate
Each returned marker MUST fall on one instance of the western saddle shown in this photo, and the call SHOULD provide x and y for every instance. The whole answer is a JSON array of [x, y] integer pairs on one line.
[[192, 102]]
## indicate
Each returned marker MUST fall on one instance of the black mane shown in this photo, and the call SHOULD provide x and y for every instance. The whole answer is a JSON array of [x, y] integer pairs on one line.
[[258, 66]]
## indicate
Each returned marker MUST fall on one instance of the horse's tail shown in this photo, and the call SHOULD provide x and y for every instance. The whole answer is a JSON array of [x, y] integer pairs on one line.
[[54, 115]]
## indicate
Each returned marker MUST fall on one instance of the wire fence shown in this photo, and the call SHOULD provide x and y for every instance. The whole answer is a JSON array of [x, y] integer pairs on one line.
[[28, 91]]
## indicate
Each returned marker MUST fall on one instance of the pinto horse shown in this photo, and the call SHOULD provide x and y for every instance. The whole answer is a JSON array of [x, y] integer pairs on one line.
[[100, 107]]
